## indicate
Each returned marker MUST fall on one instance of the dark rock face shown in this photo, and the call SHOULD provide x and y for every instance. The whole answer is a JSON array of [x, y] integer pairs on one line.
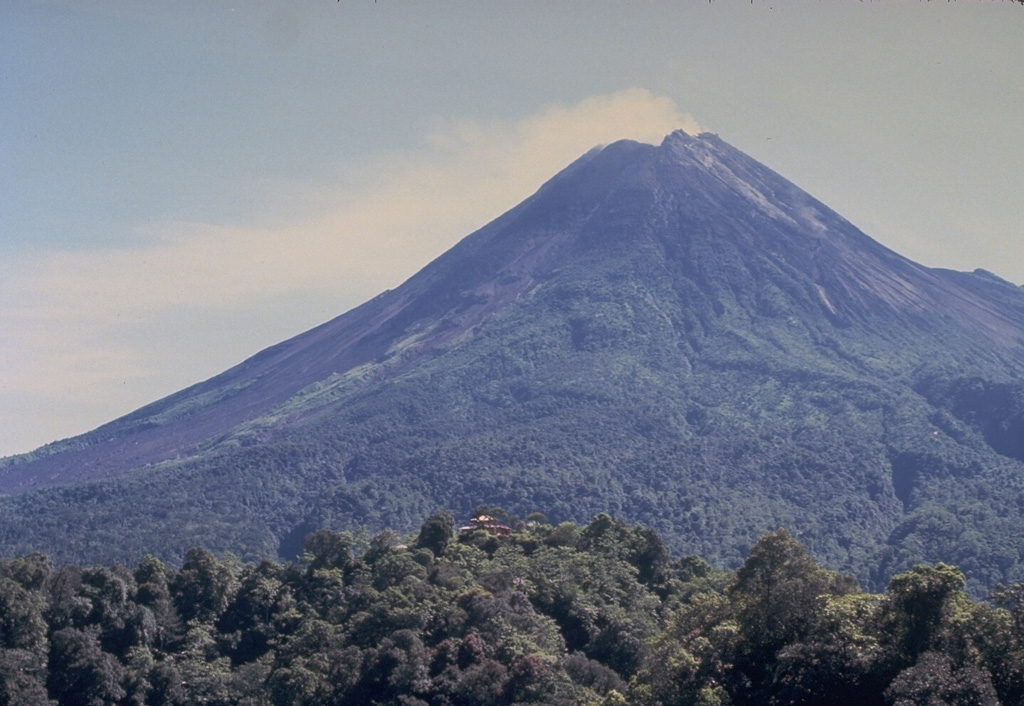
[[673, 333]]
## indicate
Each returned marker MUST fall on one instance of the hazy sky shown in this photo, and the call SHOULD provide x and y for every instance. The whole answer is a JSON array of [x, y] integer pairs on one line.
[[185, 183]]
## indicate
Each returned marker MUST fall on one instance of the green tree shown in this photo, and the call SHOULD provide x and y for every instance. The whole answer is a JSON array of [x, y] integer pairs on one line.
[[996, 629], [1011, 599], [691, 656], [23, 628], [651, 557], [22, 625], [204, 587], [23, 678], [935, 681], [110, 592], [33, 571], [328, 549], [921, 605], [250, 616], [80, 672], [203, 674], [779, 588], [154, 594], [437, 532], [780, 592], [839, 662]]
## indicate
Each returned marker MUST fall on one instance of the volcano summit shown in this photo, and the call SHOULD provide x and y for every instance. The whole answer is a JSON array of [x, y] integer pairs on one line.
[[674, 334]]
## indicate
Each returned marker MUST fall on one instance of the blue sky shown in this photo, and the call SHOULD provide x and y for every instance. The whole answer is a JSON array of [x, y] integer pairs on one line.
[[185, 183]]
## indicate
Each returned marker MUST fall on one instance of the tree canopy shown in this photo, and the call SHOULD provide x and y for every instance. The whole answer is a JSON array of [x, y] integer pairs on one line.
[[593, 614]]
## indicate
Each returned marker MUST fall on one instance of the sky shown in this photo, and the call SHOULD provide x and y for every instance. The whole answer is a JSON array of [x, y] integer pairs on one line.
[[183, 184]]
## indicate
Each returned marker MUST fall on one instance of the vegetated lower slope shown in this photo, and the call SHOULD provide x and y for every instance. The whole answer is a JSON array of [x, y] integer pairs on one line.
[[675, 334]]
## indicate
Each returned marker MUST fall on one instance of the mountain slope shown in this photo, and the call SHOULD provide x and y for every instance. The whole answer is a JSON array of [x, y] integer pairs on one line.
[[674, 333]]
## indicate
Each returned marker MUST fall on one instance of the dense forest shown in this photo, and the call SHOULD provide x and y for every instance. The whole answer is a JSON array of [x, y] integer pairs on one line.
[[547, 614]]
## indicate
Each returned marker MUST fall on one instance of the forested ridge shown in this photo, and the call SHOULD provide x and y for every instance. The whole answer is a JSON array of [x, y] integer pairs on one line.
[[599, 613]]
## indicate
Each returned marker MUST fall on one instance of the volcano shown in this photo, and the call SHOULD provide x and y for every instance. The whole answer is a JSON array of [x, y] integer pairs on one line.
[[674, 334]]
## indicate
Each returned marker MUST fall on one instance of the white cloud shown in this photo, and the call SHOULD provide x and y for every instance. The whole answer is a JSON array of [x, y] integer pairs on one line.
[[91, 334]]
